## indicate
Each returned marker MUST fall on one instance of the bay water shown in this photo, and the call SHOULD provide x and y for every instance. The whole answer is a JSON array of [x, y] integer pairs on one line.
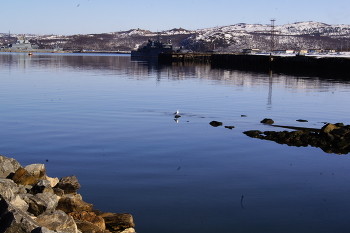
[[109, 120]]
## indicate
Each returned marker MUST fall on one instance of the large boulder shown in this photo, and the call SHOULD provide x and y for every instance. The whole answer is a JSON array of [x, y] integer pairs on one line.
[[41, 202], [8, 188], [73, 203], [8, 166], [69, 184], [89, 217], [53, 181], [42, 186], [14, 220], [36, 170], [23, 177], [57, 221], [18, 202], [118, 222]]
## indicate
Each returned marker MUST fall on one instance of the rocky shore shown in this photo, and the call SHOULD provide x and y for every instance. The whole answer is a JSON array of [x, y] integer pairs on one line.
[[331, 138], [30, 201]]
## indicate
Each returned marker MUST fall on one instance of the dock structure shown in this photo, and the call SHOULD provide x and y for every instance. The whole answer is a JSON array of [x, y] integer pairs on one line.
[[184, 57], [296, 65]]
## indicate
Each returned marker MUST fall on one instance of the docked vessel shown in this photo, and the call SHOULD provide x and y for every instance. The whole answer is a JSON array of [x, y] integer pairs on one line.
[[24, 45], [152, 49]]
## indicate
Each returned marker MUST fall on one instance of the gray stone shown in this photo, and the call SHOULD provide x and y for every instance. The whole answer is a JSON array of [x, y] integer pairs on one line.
[[18, 202], [37, 170], [42, 186], [8, 188], [42, 202], [14, 220], [8, 166], [57, 221], [69, 184]]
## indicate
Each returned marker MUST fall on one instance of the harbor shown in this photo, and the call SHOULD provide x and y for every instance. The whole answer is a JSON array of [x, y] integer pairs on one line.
[[301, 65]]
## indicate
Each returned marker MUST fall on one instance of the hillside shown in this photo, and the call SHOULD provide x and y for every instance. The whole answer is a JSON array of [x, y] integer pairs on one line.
[[301, 35]]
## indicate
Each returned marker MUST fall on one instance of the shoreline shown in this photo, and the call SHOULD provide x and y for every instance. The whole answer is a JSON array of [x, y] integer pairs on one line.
[[30, 201]]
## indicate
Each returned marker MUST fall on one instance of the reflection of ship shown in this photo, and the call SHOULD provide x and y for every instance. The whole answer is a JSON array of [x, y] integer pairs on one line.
[[152, 49]]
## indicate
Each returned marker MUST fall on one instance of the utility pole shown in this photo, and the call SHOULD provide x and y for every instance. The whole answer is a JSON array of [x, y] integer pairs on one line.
[[272, 35]]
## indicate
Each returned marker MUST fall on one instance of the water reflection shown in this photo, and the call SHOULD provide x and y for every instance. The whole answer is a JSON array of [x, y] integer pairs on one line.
[[142, 68]]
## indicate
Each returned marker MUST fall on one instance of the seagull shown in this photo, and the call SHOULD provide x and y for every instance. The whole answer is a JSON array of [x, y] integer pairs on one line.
[[177, 112]]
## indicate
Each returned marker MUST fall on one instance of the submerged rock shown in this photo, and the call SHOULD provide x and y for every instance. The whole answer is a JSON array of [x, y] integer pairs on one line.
[[330, 138], [267, 121], [215, 123]]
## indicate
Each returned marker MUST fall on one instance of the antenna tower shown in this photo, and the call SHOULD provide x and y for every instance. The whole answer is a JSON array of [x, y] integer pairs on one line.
[[273, 35]]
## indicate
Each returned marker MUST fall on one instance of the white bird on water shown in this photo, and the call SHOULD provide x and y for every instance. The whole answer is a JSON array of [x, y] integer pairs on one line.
[[177, 112]]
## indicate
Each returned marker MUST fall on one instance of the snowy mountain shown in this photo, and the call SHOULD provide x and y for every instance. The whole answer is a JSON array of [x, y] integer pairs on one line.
[[232, 38]]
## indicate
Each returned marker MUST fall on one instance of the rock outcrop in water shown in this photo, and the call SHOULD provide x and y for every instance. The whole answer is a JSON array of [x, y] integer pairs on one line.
[[30, 201], [331, 138]]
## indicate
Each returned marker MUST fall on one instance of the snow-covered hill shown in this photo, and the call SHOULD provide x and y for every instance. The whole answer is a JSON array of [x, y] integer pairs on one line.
[[300, 35]]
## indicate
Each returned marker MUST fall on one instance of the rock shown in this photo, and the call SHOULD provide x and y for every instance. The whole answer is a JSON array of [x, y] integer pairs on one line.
[[73, 203], [14, 220], [57, 221], [88, 227], [7, 188], [59, 192], [69, 184], [53, 181], [22, 176], [328, 128], [8, 166], [118, 222], [267, 121], [42, 186], [215, 123], [128, 230], [331, 138], [37, 170], [89, 217], [42, 230], [229, 127], [301, 120], [253, 133], [41, 202], [19, 203]]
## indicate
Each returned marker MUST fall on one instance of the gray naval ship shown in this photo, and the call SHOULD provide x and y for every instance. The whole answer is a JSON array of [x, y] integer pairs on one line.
[[23, 45], [152, 49]]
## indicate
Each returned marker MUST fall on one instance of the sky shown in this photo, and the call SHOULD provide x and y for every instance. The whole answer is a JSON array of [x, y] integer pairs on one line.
[[69, 17]]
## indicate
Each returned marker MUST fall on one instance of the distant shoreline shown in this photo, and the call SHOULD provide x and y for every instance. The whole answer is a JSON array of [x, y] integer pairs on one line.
[[68, 51]]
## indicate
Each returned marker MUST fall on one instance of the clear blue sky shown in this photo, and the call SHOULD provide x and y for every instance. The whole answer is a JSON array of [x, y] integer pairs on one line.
[[67, 17]]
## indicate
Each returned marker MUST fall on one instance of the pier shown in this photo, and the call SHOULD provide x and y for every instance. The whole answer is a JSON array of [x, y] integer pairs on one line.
[[294, 65]]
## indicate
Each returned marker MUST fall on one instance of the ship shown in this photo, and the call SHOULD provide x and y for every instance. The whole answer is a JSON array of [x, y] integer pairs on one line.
[[23, 45], [152, 49]]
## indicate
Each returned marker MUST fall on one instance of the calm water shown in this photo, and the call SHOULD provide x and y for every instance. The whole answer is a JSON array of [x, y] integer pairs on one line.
[[109, 121]]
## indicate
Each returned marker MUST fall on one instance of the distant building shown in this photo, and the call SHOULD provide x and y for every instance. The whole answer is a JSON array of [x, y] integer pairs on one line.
[[314, 51], [288, 51], [251, 51]]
